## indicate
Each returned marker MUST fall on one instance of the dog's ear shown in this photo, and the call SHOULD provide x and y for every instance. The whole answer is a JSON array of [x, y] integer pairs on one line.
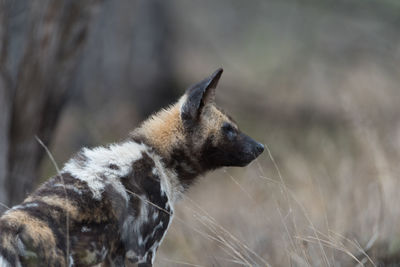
[[199, 95]]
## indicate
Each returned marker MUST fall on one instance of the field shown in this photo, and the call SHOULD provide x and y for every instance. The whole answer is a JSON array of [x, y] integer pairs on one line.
[[318, 200]]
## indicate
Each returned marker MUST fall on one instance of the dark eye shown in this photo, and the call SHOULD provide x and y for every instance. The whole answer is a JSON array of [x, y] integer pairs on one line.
[[229, 131]]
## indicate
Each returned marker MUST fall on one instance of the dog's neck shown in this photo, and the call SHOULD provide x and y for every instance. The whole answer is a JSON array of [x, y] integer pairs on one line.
[[164, 133]]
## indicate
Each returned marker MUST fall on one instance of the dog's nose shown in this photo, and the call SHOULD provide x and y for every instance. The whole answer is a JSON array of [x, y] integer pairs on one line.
[[260, 148]]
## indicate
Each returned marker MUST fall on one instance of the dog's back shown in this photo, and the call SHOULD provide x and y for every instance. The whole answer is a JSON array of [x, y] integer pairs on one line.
[[35, 231], [97, 209]]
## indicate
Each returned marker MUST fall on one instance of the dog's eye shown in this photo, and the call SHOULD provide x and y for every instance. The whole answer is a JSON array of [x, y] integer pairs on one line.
[[229, 131]]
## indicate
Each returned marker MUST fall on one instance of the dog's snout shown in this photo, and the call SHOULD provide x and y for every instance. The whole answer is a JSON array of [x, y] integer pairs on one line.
[[259, 148]]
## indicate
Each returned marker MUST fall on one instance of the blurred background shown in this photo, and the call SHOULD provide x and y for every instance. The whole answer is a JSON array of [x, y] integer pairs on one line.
[[316, 81]]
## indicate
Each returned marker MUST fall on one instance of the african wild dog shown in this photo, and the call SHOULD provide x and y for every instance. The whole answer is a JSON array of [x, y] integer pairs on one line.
[[115, 203]]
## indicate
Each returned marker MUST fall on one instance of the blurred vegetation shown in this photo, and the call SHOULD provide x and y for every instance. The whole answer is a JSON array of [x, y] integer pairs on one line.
[[316, 81]]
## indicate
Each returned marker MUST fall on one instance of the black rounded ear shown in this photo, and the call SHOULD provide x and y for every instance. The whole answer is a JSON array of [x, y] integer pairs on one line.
[[198, 95]]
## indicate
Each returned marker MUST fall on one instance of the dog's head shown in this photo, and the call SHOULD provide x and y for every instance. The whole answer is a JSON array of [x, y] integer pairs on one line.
[[214, 137], [194, 135]]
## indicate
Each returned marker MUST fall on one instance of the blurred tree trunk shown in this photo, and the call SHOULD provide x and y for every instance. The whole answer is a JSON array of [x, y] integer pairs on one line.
[[152, 60], [5, 94], [32, 99]]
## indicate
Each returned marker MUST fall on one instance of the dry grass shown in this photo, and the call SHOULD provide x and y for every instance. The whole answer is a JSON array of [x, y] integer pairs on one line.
[[329, 202]]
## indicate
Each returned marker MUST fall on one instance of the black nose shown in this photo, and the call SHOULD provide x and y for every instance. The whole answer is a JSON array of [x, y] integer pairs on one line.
[[259, 148]]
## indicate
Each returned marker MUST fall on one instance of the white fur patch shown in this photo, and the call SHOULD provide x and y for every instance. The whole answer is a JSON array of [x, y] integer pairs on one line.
[[85, 229], [96, 169], [71, 261], [155, 216], [137, 222], [181, 101], [169, 181], [21, 247], [127, 227], [22, 206], [154, 250], [156, 244], [144, 258], [103, 253], [4, 262], [68, 186], [131, 254]]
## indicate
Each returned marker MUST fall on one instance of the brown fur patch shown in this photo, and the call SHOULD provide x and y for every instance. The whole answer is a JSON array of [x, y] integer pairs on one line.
[[8, 241], [58, 202], [164, 129], [38, 230]]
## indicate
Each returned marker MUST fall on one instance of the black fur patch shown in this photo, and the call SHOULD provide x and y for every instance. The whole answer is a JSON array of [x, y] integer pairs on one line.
[[113, 167], [95, 239], [237, 151], [196, 95], [142, 181], [146, 188], [184, 165]]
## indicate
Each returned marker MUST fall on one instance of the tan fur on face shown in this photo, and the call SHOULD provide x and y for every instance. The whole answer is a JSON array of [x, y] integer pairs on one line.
[[211, 122]]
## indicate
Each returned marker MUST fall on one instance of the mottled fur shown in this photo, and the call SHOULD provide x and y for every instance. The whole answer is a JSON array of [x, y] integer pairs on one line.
[[113, 204]]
